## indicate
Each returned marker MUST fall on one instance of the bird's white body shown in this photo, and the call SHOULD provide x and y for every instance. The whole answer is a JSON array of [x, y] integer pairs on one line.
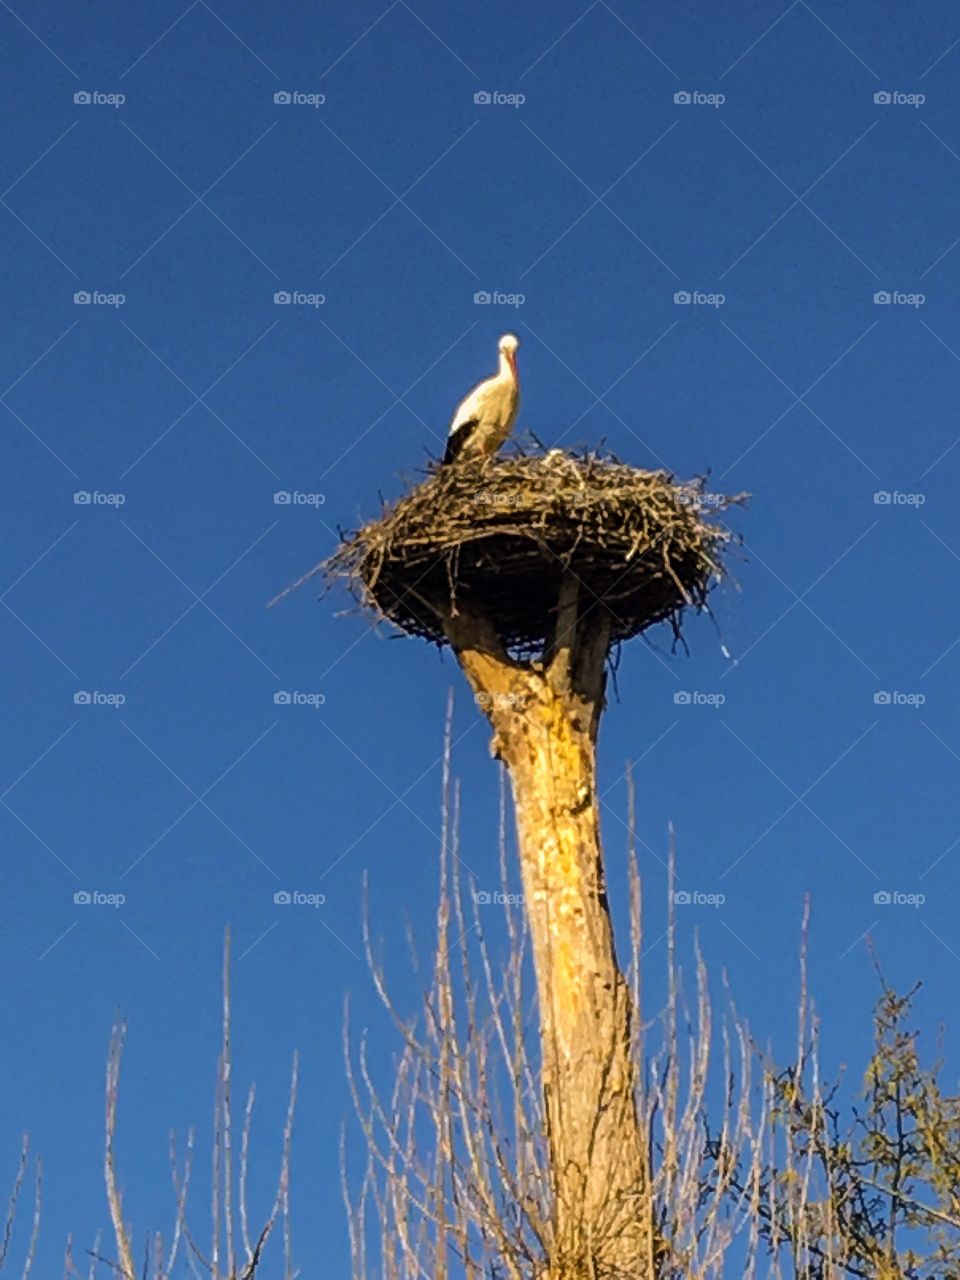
[[485, 418]]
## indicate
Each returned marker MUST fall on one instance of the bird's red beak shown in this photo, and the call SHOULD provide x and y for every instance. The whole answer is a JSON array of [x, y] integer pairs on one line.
[[512, 361]]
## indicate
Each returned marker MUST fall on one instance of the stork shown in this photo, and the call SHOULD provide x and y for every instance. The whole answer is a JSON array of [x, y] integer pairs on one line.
[[485, 418]]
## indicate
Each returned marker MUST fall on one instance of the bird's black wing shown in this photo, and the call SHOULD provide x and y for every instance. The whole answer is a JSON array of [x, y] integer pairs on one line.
[[457, 439]]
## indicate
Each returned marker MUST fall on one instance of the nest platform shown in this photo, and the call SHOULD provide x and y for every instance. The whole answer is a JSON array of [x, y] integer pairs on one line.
[[499, 536]]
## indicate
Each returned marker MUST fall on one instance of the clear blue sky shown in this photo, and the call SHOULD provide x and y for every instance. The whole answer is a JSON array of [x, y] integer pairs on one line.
[[798, 198]]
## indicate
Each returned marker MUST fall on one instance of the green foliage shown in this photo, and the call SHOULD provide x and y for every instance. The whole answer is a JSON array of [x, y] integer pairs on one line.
[[876, 1193]]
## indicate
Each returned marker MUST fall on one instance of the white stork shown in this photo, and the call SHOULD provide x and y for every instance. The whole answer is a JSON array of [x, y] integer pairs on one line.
[[485, 418]]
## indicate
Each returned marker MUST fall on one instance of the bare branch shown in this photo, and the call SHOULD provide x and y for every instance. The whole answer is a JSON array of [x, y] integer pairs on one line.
[[114, 1201]]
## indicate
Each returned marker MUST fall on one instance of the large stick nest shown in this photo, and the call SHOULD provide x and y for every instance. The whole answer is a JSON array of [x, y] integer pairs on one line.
[[498, 536]]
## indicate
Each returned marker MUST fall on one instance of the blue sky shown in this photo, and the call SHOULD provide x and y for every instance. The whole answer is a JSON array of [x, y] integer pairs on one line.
[[777, 188]]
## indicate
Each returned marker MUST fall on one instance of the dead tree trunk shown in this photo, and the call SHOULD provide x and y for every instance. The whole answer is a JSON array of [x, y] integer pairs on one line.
[[545, 715], [469, 558]]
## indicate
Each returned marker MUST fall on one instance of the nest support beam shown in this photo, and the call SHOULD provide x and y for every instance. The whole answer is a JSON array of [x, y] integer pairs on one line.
[[545, 716]]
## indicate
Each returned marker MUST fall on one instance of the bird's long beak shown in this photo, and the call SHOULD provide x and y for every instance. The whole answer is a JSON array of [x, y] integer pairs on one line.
[[512, 362]]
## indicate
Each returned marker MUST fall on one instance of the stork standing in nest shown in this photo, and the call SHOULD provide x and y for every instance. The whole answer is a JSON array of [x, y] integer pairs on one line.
[[485, 418]]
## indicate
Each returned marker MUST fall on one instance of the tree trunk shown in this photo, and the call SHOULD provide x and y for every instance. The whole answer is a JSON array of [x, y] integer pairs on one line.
[[545, 716]]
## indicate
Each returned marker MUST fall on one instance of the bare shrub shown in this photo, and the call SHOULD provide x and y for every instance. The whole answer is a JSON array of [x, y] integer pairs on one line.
[[768, 1182]]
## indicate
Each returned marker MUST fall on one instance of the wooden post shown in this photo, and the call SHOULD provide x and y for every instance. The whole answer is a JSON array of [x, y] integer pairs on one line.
[[545, 715]]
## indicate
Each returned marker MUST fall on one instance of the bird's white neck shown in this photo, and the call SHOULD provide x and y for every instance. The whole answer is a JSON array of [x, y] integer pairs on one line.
[[508, 370]]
